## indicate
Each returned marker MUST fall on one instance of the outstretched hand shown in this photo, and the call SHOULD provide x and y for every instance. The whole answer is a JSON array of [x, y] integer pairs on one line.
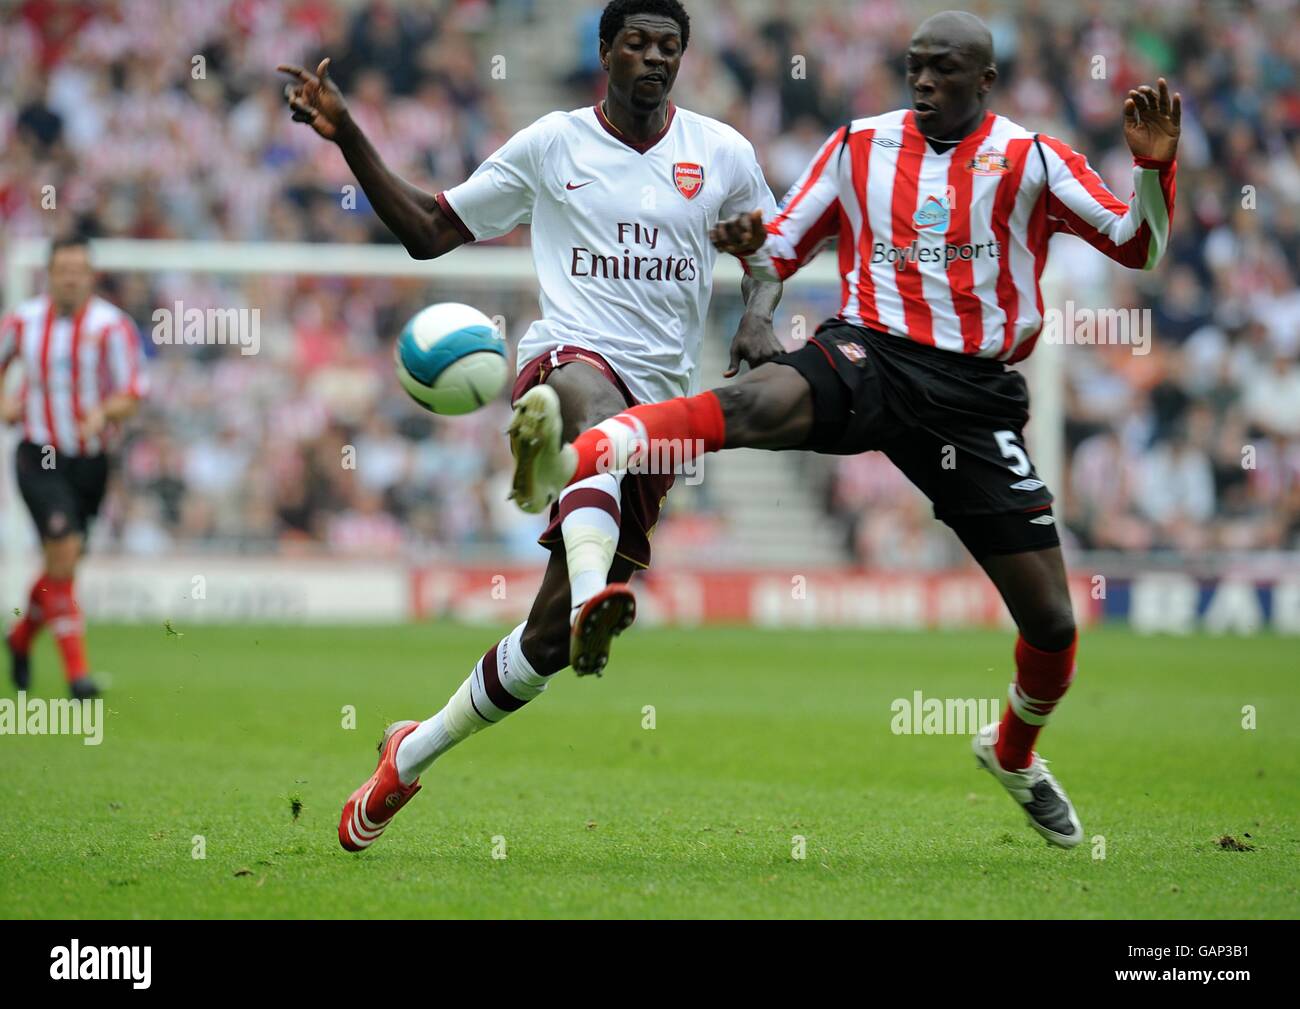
[[1153, 122], [742, 235], [755, 342], [315, 99]]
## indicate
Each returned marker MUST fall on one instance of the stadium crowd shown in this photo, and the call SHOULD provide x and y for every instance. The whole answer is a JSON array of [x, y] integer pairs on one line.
[[155, 120]]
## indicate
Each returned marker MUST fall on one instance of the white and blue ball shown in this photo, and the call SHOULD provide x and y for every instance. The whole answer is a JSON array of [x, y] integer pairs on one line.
[[451, 359]]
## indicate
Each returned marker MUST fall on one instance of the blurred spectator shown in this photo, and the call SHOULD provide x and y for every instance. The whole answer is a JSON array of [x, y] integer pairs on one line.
[[1194, 446], [1176, 491]]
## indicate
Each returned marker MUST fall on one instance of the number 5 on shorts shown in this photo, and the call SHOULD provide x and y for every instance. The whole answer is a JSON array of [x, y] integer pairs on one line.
[[1010, 450]]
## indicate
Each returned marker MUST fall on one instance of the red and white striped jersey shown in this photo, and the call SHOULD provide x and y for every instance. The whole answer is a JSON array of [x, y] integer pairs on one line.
[[947, 248], [70, 366]]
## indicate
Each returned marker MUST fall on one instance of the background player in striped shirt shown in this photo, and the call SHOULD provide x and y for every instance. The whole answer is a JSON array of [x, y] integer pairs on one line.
[[942, 213], [81, 375]]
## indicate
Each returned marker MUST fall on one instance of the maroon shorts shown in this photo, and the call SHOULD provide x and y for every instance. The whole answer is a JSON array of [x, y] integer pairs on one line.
[[643, 495]]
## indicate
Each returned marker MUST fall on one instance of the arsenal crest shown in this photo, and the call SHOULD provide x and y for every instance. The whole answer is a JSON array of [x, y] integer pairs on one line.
[[688, 178]]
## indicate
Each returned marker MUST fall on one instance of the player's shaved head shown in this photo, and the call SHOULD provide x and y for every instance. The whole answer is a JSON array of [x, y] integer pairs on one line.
[[960, 31], [950, 71]]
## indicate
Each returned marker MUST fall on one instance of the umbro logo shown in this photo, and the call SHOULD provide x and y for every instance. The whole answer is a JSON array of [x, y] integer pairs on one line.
[[570, 185], [1043, 520], [1031, 484], [885, 142]]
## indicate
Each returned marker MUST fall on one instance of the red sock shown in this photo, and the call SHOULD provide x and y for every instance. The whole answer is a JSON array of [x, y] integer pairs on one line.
[[1042, 678], [696, 422], [22, 633], [64, 617]]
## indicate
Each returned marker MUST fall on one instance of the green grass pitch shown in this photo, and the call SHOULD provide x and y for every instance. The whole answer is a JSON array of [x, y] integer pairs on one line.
[[236, 734]]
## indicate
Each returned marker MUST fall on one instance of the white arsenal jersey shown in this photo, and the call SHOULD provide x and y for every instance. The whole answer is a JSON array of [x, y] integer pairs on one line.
[[620, 234], [70, 366]]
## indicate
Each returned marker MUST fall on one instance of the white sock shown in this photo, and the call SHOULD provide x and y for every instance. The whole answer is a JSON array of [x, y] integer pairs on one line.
[[502, 681], [590, 528], [625, 441]]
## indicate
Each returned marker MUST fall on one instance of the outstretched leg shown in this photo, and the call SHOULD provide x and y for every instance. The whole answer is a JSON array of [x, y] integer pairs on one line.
[[581, 391], [508, 676], [769, 407], [590, 521], [1036, 591], [1034, 586], [511, 673]]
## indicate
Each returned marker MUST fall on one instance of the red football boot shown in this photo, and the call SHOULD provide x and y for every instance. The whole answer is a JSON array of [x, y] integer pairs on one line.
[[370, 808], [601, 618]]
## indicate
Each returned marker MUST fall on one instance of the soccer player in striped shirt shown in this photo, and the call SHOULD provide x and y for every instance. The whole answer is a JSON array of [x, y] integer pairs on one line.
[[80, 357], [942, 212]]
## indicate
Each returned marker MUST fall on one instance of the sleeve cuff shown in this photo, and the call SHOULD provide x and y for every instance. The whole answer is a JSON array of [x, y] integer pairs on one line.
[[457, 223], [1155, 163], [760, 266]]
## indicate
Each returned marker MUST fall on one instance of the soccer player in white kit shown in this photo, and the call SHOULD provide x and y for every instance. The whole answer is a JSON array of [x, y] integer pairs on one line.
[[621, 198]]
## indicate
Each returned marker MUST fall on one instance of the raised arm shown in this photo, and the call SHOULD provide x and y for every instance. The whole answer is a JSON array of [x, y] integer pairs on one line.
[[411, 214], [1134, 233]]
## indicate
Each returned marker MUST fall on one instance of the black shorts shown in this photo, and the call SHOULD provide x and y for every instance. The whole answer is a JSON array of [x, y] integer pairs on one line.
[[951, 423], [63, 494]]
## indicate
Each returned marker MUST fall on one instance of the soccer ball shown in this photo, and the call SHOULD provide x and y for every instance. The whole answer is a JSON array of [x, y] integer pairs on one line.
[[450, 358]]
